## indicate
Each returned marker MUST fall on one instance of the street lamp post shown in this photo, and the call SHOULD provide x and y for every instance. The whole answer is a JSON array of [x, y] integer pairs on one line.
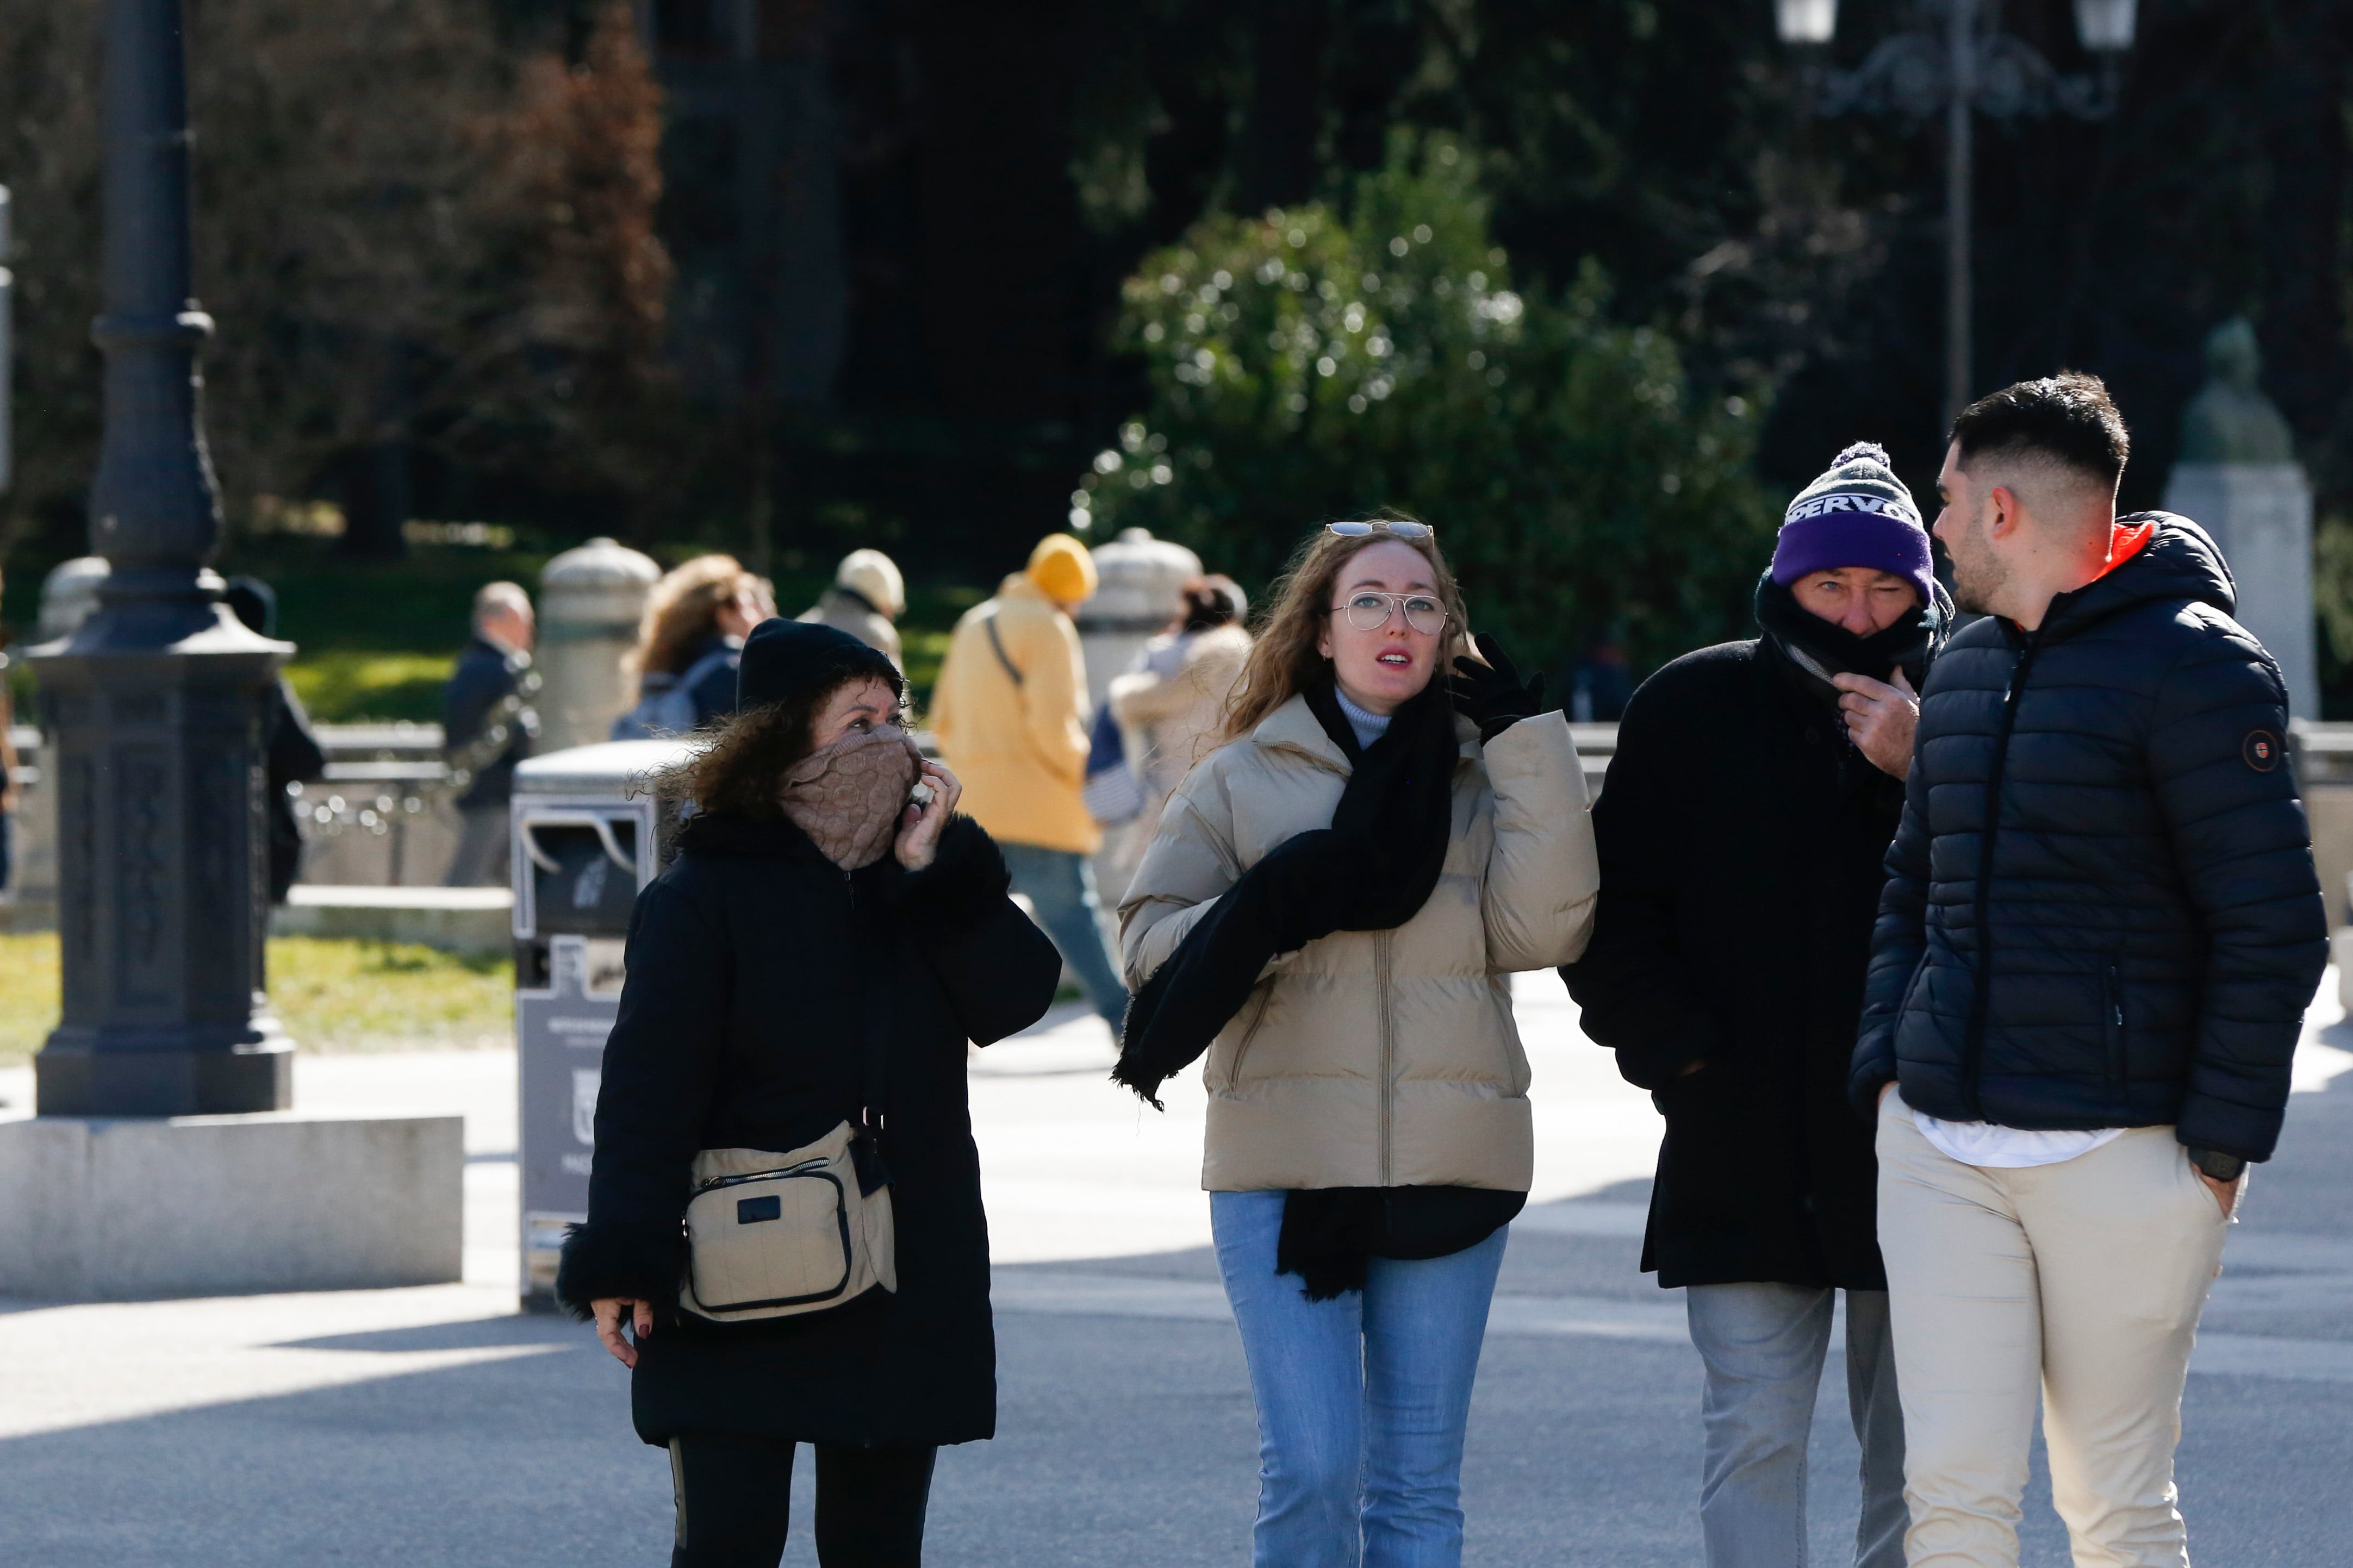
[[1972, 68], [154, 706]]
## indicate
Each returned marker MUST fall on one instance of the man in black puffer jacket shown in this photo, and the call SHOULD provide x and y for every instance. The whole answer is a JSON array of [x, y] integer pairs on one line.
[[2100, 930]]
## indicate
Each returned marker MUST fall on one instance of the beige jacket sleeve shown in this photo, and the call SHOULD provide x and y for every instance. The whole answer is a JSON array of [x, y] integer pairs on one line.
[[1191, 864], [1140, 698], [1543, 873], [1054, 696]]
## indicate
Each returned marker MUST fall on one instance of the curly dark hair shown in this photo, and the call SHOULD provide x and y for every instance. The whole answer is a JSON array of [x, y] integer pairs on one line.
[[739, 767]]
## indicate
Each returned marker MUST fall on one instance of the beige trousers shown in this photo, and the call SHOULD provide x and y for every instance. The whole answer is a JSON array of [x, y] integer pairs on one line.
[[2081, 1280]]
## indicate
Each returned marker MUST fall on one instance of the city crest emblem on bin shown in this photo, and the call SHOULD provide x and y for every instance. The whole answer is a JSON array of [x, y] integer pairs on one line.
[[584, 1103]]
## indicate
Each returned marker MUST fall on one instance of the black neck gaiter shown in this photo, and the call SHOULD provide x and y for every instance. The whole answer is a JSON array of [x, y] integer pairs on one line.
[[1816, 649]]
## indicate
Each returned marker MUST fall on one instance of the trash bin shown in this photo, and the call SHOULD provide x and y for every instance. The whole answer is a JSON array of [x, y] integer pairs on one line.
[[584, 843]]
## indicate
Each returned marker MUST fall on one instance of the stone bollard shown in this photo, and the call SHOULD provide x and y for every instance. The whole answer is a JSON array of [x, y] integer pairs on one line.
[[589, 602], [1142, 578]]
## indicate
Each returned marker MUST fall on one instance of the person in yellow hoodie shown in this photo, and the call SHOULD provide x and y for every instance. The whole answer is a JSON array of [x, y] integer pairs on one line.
[[1010, 712]]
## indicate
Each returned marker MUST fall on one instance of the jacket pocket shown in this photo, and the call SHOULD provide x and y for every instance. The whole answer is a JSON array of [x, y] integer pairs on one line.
[[1258, 1021], [2112, 1026]]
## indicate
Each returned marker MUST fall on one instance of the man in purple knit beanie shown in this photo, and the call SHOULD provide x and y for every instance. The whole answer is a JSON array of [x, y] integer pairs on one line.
[[1742, 835], [1857, 514]]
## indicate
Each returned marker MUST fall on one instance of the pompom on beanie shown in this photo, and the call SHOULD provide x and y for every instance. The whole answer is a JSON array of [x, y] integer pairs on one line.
[[1857, 514], [1062, 569]]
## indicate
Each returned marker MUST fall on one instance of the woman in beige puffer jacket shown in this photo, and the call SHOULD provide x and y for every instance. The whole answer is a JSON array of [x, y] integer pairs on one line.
[[1368, 1059]]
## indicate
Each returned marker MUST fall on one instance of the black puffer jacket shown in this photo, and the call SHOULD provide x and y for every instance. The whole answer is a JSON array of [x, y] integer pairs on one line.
[[2109, 797], [755, 969]]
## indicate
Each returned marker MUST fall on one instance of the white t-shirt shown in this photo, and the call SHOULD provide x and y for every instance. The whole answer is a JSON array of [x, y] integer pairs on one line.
[[2005, 1147]]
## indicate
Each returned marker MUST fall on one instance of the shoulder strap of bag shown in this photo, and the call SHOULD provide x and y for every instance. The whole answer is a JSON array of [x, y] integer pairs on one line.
[[874, 1083], [997, 643]]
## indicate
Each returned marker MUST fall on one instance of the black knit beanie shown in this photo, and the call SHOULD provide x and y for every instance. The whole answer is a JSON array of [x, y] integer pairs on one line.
[[782, 658]]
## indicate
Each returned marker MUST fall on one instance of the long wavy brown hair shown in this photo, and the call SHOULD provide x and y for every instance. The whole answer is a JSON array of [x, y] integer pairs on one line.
[[1284, 661], [740, 770], [682, 613]]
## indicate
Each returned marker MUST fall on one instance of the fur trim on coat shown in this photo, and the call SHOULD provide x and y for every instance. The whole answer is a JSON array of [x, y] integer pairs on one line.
[[601, 1261]]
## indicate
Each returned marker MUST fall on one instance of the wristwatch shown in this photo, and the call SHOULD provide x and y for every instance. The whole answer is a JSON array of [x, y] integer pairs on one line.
[[2221, 1167]]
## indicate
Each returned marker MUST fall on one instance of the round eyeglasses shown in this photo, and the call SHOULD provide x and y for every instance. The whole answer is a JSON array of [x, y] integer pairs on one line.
[[1368, 611], [1396, 529]]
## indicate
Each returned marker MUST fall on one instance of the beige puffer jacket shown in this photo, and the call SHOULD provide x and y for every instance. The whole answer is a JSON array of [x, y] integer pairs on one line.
[[1377, 1058]]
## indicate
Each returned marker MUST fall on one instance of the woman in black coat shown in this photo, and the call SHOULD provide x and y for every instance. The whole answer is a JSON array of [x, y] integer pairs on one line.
[[807, 955]]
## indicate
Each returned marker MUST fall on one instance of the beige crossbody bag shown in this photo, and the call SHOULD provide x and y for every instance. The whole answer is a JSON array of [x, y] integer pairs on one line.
[[769, 1235], [773, 1236]]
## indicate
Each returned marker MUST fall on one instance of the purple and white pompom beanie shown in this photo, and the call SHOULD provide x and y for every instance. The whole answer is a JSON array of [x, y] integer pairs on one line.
[[1857, 514]]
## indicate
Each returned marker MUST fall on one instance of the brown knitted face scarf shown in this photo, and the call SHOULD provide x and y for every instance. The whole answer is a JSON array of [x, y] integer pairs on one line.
[[848, 796]]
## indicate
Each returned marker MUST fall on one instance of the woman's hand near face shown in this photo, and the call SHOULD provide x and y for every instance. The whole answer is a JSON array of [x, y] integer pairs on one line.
[[920, 826], [610, 1311]]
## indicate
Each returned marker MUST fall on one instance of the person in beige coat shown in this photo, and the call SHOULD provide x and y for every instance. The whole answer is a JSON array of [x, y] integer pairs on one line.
[[866, 599], [1170, 706], [1333, 908]]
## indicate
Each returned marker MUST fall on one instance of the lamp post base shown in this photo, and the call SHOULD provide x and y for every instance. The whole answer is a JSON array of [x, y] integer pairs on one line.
[[158, 1072]]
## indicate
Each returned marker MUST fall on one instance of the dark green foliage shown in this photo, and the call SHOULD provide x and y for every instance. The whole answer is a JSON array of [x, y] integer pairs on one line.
[[1305, 366]]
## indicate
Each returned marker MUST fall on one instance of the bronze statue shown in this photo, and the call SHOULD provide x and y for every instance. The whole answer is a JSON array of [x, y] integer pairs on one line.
[[2230, 420]]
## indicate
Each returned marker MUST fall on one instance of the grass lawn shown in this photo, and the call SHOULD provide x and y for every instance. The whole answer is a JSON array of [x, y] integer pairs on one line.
[[332, 995], [342, 686]]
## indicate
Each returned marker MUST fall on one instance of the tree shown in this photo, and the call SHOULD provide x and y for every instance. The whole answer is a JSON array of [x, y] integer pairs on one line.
[[407, 230], [1306, 365]]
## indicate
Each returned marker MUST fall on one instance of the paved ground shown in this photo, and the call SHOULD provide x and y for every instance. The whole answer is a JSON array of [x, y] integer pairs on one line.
[[429, 1428]]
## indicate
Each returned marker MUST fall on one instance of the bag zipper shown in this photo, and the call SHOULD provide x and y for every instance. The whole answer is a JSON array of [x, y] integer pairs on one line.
[[716, 1183], [1381, 941]]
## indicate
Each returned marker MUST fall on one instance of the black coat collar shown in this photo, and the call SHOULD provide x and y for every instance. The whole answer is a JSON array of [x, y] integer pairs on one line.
[[722, 837]]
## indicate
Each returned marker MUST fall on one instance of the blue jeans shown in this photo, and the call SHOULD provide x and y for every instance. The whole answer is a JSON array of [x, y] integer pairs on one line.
[[1362, 1402], [1060, 886]]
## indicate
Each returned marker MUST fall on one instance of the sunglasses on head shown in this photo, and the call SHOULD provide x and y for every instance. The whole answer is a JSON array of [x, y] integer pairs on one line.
[[1397, 530]]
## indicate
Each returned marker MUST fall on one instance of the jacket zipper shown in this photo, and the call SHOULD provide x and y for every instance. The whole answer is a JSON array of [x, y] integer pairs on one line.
[[2112, 1019], [1973, 1038], [1381, 941]]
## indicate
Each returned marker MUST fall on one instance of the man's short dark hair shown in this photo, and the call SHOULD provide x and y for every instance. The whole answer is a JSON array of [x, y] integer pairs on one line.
[[2066, 418]]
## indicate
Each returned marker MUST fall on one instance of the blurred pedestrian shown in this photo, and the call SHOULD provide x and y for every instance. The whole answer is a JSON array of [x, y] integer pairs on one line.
[[1331, 909], [1010, 712], [1727, 971], [866, 600], [802, 982], [488, 726], [291, 754], [2101, 929], [1173, 702], [688, 640], [1605, 683]]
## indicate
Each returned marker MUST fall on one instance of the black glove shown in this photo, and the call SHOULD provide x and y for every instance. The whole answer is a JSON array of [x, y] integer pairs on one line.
[[1492, 695]]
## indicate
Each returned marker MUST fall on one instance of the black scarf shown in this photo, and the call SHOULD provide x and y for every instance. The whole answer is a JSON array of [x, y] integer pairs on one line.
[[1372, 869], [1816, 649]]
